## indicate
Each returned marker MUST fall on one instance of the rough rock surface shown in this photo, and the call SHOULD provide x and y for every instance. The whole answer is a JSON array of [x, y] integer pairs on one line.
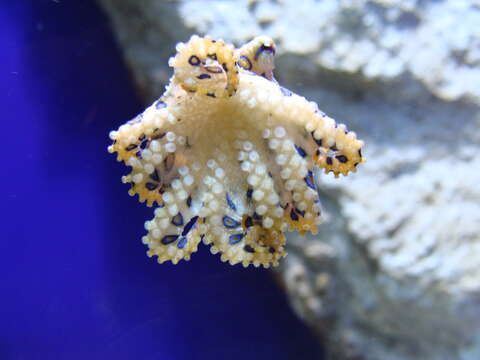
[[395, 272]]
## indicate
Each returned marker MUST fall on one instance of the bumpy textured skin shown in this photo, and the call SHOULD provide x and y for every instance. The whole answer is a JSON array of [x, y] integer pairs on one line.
[[228, 156]]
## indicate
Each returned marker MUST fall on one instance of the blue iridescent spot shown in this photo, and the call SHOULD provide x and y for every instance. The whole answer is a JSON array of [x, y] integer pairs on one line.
[[317, 141], [293, 215], [256, 216], [230, 223], [310, 184], [190, 224], [168, 239], [300, 151], [177, 220], [230, 202], [235, 238], [154, 176], [300, 212], [160, 104], [182, 242], [136, 119]]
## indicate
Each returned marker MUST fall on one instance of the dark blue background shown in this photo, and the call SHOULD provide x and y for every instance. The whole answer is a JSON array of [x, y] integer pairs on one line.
[[75, 280]]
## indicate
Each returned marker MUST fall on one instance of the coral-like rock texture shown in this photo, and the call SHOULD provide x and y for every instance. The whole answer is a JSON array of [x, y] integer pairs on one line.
[[227, 155]]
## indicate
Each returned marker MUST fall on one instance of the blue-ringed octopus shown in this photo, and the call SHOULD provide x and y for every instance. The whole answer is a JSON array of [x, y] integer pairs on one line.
[[228, 156]]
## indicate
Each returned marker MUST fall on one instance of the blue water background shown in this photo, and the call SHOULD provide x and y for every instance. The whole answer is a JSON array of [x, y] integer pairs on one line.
[[75, 281]]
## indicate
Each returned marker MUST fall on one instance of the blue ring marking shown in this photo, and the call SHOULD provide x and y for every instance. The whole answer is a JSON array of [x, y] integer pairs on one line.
[[293, 215], [177, 220], [151, 186], [168, 239], [154, 176], [158, 136], [249, 193], [256, 216], [182, 242], [310, 184], [249, 66], [194, 60], [300, 212], [189, 201], [300, 151], [317, 141], [230, 223], [203, 76], [190, 224], [159, 104], [136, 119], [230, 202], [235, 238], [249, 249], [213, 70]]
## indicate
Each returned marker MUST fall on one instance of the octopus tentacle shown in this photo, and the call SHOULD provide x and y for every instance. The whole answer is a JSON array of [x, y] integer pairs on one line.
[[257, 56], [174, 233], [302, 208], [264, 224], [337, 150], [145, 145], [334, 148], [205, 66]]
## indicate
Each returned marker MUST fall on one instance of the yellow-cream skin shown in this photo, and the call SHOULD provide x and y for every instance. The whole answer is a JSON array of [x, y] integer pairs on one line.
[[227, 154]]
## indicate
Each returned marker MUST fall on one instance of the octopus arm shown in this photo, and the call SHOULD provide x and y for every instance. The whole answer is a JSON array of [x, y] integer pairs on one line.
[[315, 135], [147, 144], [176, 230]]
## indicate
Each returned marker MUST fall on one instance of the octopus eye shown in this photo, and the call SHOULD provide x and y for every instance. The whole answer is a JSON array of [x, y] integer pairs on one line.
[[194, 60], [264, 48], [245, 63]]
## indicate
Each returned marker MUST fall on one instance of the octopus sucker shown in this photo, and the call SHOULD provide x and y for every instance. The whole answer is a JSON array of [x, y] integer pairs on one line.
[[227, 156]]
